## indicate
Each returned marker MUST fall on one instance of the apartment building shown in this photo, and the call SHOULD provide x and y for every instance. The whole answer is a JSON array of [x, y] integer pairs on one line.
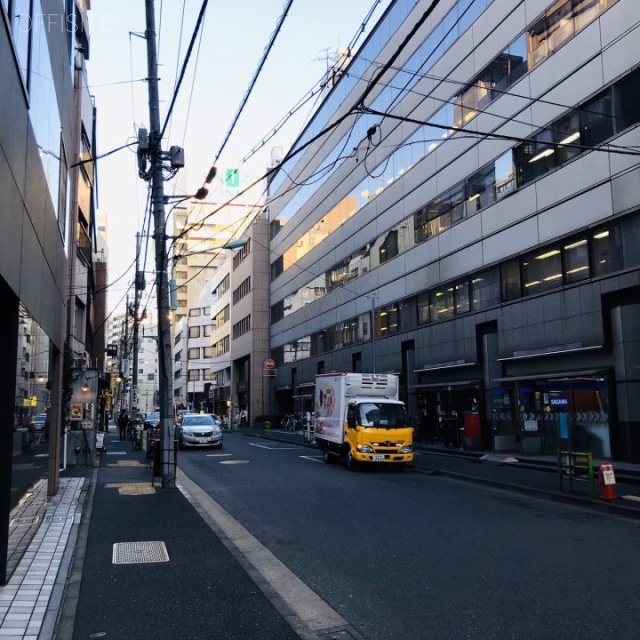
[[239, 388], [464, 210]]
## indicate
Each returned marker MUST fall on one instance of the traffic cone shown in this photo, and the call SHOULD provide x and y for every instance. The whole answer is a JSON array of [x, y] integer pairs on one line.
[[607, 481]]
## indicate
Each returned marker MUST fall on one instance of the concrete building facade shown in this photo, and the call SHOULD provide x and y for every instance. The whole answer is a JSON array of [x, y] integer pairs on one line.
[[240, 335], [464, 210], [47, 270]]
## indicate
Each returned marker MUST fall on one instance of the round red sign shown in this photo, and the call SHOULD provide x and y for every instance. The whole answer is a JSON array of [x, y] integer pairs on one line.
[[269, 363]]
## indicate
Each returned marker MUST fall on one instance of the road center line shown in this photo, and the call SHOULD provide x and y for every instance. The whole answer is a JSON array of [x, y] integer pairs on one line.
[[310, 608]]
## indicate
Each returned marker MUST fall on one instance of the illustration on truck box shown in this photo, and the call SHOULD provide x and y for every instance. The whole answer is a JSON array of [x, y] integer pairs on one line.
[[359, 419], [328, 421]]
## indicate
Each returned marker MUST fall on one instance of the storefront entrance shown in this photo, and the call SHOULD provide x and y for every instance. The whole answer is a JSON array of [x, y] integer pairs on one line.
[[557, 413], [450, 415]]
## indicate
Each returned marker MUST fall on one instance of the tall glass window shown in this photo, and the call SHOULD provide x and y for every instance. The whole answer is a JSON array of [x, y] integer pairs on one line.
[[485, 289], [542, 270], [576, 260]]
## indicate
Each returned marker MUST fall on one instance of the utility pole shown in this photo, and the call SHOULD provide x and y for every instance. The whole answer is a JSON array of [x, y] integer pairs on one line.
[[138, 287], [162, 290], [125, 351]]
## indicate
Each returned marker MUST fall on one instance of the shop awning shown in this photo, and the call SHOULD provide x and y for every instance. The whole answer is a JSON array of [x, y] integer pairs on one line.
[[445, 365], [445, 384], [557, 376]]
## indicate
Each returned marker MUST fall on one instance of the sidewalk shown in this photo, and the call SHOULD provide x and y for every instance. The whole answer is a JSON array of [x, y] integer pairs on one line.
[[129, 561], [115, 557]]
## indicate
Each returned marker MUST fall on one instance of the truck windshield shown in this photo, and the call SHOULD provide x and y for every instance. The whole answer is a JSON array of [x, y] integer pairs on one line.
[[381, 414]]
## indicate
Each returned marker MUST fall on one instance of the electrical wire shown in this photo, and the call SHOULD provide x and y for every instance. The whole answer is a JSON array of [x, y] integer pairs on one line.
[[256, 74], [176, 91]]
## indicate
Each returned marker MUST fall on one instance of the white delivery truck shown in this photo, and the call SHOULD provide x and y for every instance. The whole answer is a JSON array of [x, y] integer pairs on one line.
[[359, 419]]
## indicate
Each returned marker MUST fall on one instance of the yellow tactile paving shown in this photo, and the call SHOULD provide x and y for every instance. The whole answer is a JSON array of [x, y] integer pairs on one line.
[[131, 488]]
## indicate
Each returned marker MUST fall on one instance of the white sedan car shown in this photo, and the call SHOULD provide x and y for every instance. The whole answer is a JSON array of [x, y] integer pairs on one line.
[[199, 429]]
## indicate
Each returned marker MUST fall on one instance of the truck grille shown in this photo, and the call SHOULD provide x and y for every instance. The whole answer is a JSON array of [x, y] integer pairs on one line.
[[386, 447]]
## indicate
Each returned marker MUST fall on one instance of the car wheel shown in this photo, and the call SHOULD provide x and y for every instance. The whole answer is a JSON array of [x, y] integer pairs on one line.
[[352, 464], [326, 456]]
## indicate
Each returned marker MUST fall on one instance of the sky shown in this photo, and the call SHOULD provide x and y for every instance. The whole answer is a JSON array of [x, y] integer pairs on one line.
[[225, 56]]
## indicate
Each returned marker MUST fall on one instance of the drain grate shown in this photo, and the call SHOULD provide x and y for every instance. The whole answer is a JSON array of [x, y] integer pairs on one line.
[[139, 552]]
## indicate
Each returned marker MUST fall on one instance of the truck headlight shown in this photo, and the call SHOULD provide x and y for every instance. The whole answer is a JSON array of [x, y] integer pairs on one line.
[[408, 449], [364, 448]]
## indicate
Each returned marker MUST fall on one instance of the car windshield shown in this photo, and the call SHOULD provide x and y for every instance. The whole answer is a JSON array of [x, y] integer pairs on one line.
[[381, 414], [191, 421], [153, 417]]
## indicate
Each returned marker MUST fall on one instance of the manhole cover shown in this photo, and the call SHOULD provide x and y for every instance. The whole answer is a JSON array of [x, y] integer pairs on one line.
[[139, 552]]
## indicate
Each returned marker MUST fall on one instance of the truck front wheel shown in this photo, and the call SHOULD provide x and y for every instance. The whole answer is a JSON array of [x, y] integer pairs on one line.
[[351, 462]]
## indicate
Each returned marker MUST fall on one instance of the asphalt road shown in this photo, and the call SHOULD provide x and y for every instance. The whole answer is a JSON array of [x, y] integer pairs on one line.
[[413, 556]]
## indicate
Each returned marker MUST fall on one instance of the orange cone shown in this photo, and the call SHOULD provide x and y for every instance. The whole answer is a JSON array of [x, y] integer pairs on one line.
[[607, 481]]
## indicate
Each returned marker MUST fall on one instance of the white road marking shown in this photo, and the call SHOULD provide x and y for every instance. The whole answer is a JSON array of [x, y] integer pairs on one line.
[[218, 455], [313, 458], [235, 461], [308, 606], [276, 448]]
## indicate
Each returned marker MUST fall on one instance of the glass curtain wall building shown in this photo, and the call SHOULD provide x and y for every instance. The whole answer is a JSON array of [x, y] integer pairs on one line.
[[464, 210]]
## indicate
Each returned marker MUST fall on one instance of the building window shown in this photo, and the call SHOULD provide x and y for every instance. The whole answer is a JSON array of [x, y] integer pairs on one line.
[[576, 260], [221, 317], [442, 304], [243, 290], [80, 321], [606, 249], [389, 247], [193, 353], [194, 332], [485, 289], [424, 308], [510, 280], [461, 296], [222, 346], [599, 119], [20, 19], [194, 313], [222, 288], [387, 320], [242, 327], [542, 270]]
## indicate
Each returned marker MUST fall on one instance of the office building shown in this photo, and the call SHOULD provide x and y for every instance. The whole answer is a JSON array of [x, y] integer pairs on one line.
[[464, 210]]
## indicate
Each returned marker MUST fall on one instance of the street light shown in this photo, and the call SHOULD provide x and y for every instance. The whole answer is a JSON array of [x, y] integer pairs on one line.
[[232, 244]]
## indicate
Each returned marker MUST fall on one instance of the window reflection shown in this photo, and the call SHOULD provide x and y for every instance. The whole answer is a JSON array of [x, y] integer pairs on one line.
[[329, 223], [542, 271], [576, 260], [604, 246]]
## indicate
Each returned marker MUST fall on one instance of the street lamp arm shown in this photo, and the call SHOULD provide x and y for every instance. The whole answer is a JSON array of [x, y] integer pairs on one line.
[[232, 244]]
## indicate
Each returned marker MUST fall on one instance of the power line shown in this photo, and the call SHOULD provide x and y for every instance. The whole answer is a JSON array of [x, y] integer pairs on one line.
[[176, 91], [252, 84]]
